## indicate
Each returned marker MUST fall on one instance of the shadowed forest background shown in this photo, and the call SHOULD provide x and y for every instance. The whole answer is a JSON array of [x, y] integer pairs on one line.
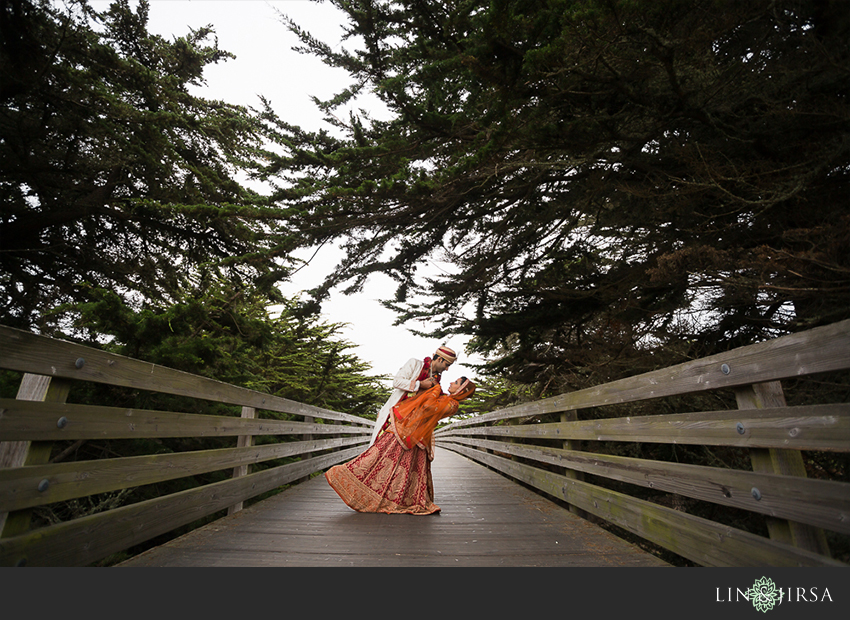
[[618, 186]]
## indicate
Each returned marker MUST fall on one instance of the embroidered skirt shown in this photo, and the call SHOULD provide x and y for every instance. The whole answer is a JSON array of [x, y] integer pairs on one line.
[[386, 478]]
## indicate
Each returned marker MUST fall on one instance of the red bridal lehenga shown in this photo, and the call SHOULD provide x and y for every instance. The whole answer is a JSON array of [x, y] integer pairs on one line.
[[393, 476]]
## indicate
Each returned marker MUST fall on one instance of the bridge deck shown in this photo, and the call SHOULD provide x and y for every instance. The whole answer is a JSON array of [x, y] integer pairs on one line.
[[486, 520]]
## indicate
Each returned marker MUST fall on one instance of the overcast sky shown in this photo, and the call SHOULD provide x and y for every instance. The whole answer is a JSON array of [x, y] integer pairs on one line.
[[266, 65]]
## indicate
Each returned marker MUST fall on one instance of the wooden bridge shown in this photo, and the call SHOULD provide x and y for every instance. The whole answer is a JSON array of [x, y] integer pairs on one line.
[[496, 475]]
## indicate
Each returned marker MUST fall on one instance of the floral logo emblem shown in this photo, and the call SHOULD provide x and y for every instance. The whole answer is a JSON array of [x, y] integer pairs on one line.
[[764, 594]]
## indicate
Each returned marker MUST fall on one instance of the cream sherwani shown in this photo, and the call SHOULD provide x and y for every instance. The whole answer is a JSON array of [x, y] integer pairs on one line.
[[404, 382]]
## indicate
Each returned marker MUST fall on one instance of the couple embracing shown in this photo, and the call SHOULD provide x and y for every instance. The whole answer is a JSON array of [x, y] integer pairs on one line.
[[394, 474]]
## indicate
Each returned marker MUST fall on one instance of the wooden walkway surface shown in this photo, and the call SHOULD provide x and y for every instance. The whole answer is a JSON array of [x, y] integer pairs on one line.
[[485, 520]]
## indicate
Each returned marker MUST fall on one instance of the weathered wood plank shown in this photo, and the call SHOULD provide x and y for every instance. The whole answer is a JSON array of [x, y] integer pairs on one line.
[[24, 487], [88, 539], [33, 420], [26, 352], [823, 503], [703, 541], [815, 427], [822, 349]]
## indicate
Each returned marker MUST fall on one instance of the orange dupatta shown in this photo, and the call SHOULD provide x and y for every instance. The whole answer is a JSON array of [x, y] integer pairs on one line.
[[414, 420]]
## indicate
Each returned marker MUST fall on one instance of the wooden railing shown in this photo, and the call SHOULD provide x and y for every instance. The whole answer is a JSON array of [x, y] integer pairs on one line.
[[576, 460], [31, 425]]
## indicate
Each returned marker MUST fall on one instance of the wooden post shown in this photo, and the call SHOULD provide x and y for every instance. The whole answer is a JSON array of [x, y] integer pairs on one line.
[[337, 435], [20, 453], [243, 441], [783, 462], [513, 422], [308, 420], [572, 444]]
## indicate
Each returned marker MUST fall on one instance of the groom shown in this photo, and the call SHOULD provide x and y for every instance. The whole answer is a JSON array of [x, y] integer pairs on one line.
[[415, 375]]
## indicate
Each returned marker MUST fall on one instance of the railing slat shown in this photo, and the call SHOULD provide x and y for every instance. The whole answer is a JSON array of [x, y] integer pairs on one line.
[[25, 419], [812, 427]]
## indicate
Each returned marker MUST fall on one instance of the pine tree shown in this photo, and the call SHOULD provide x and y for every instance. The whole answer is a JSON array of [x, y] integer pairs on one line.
[[112, 174], [617, 184]]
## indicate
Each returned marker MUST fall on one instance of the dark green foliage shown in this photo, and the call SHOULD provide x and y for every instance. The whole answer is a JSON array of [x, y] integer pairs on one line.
[[617, 185], [9, 383], [495, 393], [226, 332], [111, 172]]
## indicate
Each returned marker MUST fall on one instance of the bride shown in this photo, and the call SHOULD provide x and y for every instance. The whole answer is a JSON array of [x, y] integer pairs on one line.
[[394, 475]]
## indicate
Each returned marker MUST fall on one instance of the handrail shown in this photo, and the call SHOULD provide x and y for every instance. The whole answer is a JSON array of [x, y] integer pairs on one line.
[[823, 349], [30, 424], [39, 355], [627, 490]]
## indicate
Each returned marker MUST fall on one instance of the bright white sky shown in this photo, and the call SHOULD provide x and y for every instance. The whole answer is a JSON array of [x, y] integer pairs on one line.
[[266, 65]]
